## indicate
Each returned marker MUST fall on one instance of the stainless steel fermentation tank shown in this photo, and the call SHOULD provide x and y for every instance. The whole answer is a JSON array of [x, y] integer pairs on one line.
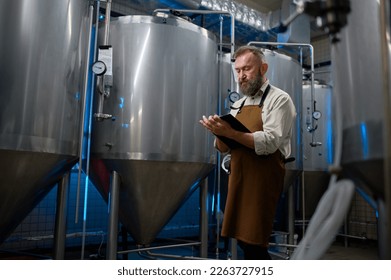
[[42, 55], [165, 77], [358, 63], [318, 143]]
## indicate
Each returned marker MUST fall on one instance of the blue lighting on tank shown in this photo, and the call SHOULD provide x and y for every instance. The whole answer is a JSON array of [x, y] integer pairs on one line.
[[121, 104], [329, 129], [364, 140], [125, 125], [330, 148], [77, 95]]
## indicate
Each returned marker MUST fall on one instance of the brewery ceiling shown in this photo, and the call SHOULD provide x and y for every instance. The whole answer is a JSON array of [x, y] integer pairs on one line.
[[263, 6]]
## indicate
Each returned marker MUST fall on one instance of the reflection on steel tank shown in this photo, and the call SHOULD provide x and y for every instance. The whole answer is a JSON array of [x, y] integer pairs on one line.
[[318, 142], [42, 58], [165, 77]]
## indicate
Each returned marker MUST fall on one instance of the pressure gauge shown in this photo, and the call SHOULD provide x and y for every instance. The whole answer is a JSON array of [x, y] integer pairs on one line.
[[316, 115], [99, 68], [233, 96]]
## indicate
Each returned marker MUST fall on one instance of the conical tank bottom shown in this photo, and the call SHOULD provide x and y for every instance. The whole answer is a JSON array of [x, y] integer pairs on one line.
[[363, 156], [25, 179], [151, 191]]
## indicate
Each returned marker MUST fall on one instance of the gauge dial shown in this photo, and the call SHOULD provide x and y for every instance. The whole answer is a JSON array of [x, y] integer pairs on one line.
[[99, 68], [233, 96], [316, 115]]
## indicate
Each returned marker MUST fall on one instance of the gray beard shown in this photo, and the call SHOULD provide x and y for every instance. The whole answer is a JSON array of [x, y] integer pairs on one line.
[[253, 86]]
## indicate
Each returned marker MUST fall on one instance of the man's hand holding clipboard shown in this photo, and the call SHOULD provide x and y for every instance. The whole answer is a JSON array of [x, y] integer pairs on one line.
[[225, 128]]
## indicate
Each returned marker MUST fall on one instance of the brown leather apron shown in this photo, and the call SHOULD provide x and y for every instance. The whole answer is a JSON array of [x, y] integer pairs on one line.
[[254, 187]]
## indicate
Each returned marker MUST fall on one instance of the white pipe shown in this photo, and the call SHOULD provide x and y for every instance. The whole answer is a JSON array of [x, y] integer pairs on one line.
[[326, 221]]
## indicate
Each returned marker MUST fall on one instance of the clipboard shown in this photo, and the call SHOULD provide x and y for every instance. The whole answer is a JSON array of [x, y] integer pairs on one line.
[[235, 124]]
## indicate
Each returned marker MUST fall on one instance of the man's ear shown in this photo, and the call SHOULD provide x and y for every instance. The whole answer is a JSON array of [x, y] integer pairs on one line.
[[264, 68]]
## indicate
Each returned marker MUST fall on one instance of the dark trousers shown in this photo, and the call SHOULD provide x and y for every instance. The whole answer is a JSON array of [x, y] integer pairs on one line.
[[254, 252]]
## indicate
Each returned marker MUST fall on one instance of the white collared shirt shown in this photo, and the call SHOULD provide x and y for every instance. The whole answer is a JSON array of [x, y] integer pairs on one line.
[[278, 115]]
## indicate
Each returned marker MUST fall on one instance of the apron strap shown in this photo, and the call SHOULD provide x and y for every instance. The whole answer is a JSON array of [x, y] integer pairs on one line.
[[264, 95]]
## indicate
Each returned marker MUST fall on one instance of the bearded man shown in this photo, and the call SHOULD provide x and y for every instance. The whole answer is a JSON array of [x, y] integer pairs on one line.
[[257, 167]]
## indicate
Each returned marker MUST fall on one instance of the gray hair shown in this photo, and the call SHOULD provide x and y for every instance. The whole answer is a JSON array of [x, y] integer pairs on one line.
[[254, 50]]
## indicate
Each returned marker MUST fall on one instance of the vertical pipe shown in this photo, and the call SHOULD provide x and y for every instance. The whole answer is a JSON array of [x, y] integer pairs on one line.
[[234, 248], [104, 90], [204, 218], [303, 203], [83, 113], [291, 214], [218, 156], [61, 217], [87, 168], [113, 217], [385, 205], [107, 23]]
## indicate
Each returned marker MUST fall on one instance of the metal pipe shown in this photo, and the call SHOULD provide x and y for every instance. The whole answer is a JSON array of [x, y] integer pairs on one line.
[[87, 168], [83, 112], [112, 234], [218, 156], [291, 214], [159, 247], [104, 87], [385, 206], [107, 23], [61, 217], [282, 245], [303, 203], [150, 254], [311, 48], [204, 218]]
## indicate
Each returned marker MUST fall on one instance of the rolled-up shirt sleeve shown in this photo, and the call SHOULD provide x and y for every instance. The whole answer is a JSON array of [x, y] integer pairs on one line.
[[278, 117]]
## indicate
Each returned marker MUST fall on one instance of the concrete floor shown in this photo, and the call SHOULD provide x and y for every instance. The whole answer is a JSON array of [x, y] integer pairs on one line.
[[356, 250]]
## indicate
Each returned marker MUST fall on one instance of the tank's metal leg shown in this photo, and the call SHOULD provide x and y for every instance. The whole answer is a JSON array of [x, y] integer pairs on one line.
[[61, 219], [384, 231], [234, 249], [291, 215], [112, 234], [204, 219]]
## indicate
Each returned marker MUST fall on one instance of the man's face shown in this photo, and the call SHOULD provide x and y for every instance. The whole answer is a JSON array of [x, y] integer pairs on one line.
[[249, 71]]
